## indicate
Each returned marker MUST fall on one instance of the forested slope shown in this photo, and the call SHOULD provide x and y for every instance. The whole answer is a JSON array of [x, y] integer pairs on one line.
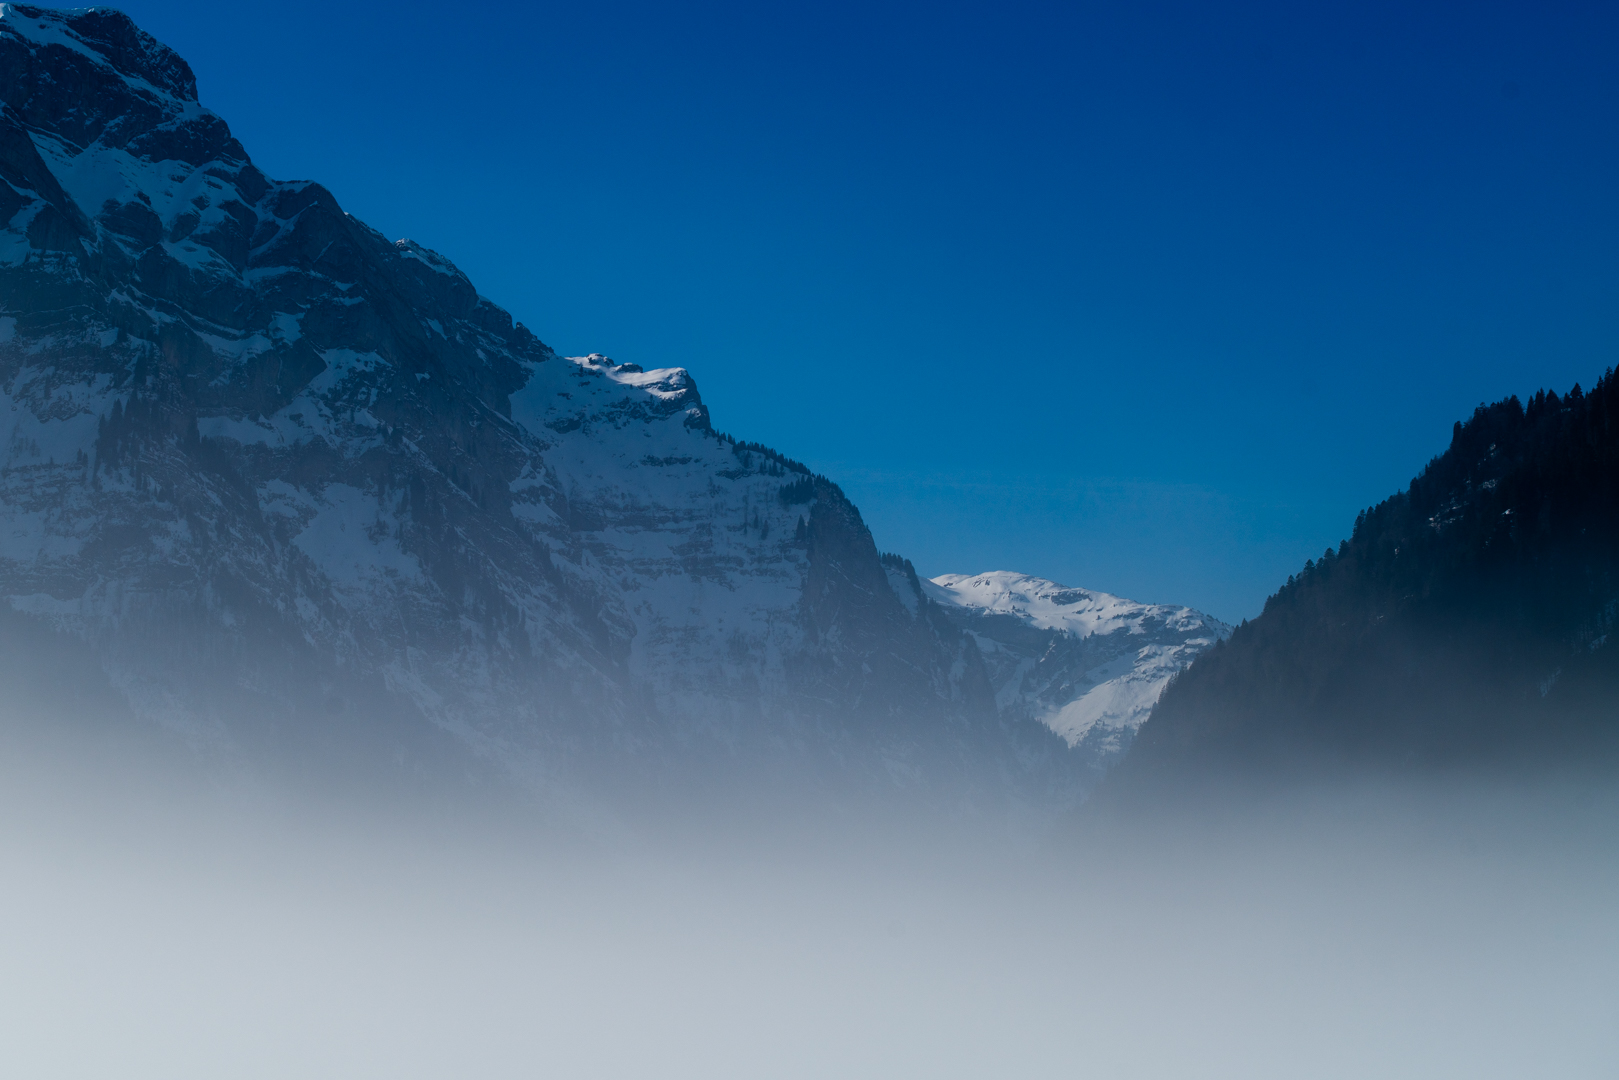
[[1466, 621]]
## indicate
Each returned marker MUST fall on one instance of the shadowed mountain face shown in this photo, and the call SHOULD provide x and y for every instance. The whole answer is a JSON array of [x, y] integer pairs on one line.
[[303, 494], [1468, 621]]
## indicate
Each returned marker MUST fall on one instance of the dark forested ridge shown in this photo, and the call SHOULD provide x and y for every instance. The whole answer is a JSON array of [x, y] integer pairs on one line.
[[1467, 620]]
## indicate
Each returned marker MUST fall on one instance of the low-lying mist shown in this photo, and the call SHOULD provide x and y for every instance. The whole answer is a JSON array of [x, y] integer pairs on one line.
[[150, 928]]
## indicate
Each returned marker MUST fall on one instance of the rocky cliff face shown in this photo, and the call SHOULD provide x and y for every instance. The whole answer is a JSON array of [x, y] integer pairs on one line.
[[304, 494], [296, 482]]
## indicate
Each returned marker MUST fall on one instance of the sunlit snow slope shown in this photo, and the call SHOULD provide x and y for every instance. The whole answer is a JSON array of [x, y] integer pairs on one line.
[[1088, 665]]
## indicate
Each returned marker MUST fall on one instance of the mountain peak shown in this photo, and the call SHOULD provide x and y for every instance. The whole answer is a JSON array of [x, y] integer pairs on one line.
[[1051, 606], [105, 36], [294, 485], [1088, 665]]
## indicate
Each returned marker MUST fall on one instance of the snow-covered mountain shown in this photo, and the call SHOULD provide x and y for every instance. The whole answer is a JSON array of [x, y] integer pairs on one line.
[[301, 492], [1088, 665]]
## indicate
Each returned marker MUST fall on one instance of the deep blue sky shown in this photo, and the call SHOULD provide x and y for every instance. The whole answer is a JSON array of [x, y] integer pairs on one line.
[[1149, 298]]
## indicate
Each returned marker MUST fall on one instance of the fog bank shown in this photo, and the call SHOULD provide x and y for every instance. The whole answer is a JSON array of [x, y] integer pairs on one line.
[[1395, 931]]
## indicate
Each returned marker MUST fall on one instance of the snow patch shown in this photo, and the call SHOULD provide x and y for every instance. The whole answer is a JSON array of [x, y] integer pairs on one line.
[[47, 605], [1046, 604], [900, 582], [51, 427], [354, 540], [343, 364]]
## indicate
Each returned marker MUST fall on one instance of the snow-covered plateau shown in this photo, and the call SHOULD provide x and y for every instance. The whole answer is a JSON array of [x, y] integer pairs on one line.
[[300, 490]]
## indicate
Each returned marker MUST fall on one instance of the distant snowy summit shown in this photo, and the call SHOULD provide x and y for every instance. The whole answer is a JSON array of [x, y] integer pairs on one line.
[[1088, 665]]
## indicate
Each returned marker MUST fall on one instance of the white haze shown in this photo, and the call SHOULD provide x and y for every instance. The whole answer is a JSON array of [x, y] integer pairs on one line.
[[1379, 931]]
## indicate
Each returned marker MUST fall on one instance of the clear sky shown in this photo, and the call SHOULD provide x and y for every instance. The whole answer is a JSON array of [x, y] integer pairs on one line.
[[1142, 297]]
